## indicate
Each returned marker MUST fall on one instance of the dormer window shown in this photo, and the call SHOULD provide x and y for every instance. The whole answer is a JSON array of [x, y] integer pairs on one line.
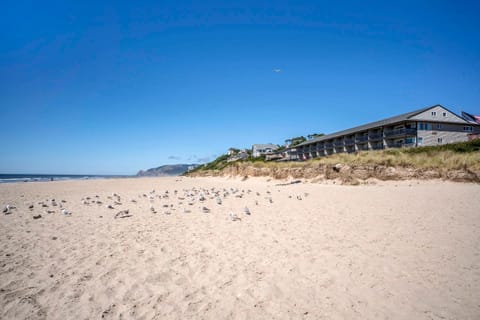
[[434, 113], [444, 114]]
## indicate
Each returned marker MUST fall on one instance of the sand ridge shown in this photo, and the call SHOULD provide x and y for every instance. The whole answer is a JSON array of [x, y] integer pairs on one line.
[[307, 251]]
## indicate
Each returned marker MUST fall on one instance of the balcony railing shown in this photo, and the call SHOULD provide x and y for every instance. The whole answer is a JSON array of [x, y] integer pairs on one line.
[[338, 144], [328, 145], [400, 132], [400, 145], [361, 139], [376, 136], [349, 142]]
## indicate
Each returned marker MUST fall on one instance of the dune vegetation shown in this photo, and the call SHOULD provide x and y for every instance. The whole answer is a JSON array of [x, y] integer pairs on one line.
[[457, 161]]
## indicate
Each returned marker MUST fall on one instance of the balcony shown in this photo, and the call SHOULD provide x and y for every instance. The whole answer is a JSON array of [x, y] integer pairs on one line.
[[376, 137], [338, 144], [401, 145], [401, 132], [377, 147], [361, 139], [328, 145], [349, 142]]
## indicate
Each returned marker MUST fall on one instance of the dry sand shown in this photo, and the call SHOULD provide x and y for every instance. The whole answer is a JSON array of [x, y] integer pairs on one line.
[[399, 250]]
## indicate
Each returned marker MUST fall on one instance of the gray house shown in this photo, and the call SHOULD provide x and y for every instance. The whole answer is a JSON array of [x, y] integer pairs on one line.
[[429, 126], [263, 149]]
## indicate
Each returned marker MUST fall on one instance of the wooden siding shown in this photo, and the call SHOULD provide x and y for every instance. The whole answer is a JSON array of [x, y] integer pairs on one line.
[[427, 116]]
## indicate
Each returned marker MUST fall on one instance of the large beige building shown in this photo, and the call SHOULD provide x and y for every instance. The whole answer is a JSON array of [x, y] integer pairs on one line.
[[430, 126]]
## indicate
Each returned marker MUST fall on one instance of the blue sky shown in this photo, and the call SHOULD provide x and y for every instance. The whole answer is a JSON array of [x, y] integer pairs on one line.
[[113, 87]]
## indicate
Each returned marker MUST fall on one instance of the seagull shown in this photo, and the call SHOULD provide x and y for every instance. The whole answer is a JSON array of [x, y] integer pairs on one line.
[[276, 70], [234, 217], [246, 211]]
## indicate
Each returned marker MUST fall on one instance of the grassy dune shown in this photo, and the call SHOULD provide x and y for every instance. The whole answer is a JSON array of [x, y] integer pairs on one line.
[[459, 161]]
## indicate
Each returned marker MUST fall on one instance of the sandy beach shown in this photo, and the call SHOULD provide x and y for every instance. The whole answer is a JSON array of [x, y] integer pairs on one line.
[[390, 250]]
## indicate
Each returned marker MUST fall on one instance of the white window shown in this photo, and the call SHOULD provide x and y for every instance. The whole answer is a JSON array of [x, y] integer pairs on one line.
[[434, 113], [439, 140], [420, 141], [439, 126], [468, 128], [444, 114]]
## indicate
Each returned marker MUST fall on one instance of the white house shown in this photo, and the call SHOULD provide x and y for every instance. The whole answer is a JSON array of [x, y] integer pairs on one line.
[[263, 149]]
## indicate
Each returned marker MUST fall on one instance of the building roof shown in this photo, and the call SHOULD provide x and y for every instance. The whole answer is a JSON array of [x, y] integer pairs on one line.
[[371, 125], [265, 146]]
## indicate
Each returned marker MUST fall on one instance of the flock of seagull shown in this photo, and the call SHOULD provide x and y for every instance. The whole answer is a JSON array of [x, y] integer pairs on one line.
[[187, 199]]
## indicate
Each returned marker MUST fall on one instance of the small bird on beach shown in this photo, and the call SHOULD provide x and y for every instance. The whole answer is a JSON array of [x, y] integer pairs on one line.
[[205, 210], [66, 212], [7, 209], [233, 216], [219, 200], [122, 214], [246, 211]]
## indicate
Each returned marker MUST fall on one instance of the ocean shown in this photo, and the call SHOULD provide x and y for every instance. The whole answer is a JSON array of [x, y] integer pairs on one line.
[[8, 178]]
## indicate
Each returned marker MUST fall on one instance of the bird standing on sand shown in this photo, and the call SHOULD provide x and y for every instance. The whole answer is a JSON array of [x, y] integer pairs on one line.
[[7, 209], [246, 211], [233, 216]]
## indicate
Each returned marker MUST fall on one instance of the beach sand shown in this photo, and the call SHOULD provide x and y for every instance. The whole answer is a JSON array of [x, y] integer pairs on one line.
[[396, 250]]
